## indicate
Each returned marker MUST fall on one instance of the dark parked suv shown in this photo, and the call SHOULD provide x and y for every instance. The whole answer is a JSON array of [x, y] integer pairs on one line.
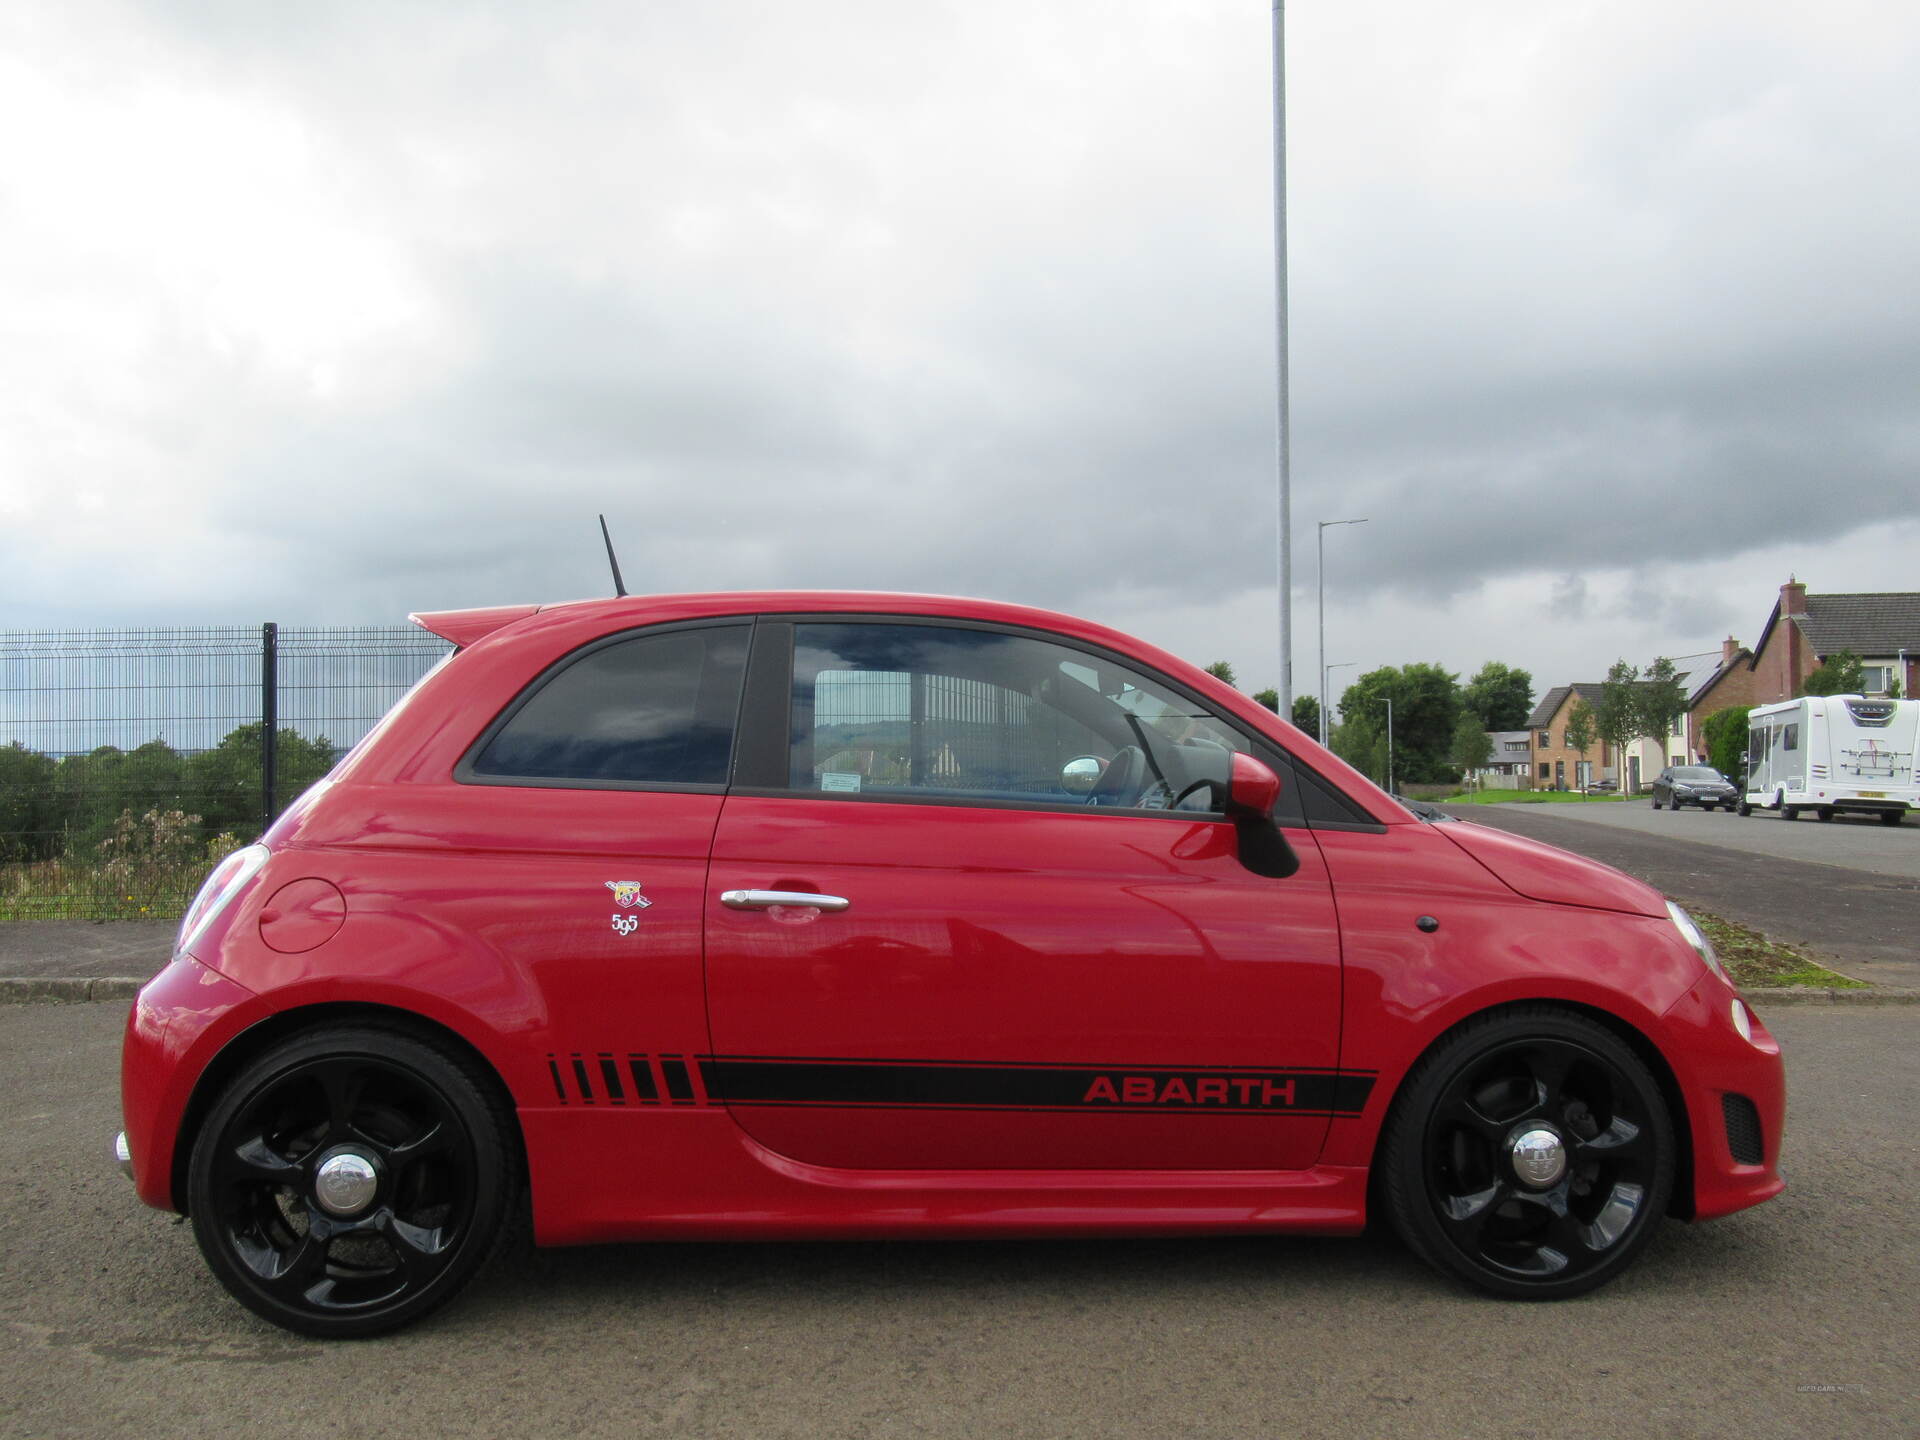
[[1700, 785]]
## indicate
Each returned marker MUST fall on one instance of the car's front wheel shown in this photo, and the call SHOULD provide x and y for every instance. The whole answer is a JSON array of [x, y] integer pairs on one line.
[[1529, 1154], [351, 1179]]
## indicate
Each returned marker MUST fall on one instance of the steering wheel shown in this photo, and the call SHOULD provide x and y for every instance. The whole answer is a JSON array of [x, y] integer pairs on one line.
[[1123, 779], [1200, 784]]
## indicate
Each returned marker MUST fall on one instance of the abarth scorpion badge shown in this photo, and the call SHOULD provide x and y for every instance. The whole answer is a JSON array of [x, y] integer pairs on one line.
[[626, 894]]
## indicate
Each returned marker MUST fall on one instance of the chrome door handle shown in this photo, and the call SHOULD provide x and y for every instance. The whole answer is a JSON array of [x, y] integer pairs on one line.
[[767, 899]]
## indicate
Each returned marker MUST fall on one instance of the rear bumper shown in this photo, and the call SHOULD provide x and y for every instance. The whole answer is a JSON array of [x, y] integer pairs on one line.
[[1712, 1060], [178, 1023]]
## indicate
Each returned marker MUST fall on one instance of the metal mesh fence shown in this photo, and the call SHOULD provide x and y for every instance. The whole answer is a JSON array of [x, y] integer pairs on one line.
[[130, 759]]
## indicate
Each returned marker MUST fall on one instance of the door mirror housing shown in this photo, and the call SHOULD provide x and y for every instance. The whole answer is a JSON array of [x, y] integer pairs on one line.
[[1252, 788]]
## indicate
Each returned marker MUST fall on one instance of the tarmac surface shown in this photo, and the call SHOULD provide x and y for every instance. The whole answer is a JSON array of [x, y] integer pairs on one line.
[[1864, 921], [1854, 842], [1793, 1319]]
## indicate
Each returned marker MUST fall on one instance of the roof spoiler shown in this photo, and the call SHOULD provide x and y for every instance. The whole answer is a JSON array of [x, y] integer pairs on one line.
[[463, 627]]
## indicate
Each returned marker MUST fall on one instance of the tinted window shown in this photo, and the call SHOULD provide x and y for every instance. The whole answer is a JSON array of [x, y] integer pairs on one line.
[[1792, 741], [656, 709], [922, 710]]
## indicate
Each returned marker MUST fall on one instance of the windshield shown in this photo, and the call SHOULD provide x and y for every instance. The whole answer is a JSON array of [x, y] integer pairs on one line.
[[1697, 772]]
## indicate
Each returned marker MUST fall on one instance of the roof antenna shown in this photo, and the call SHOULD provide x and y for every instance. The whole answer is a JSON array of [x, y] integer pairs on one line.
[[619, 585]]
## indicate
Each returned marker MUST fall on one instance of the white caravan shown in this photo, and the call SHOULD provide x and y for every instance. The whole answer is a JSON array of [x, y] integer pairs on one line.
[[1828, 753]]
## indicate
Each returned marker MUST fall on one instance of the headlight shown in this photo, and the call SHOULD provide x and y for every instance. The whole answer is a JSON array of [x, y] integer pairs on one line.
[[1702, 946], [228, 879]]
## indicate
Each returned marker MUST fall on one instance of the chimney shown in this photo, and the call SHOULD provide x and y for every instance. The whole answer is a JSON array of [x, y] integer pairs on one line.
[[1729, 647], [1793, 597]]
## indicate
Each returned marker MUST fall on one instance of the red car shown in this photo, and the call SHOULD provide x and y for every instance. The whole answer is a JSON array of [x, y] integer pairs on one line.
[[846, 915]]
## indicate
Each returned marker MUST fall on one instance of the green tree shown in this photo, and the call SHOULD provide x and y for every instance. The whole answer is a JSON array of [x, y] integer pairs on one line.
[[30, 810], [1725, 734], [223, 783], [1501, 696], [1306, 713], [1222, 670], [1661, 700], [1472, 746], [1362, 743], [1840, 675], [1581, 730], [1268, 698], [1616, 718], [1426, 710]]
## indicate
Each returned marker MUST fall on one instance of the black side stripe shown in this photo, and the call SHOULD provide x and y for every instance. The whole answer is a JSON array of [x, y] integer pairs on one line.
[[679, 1085], [964, 1085], [737, 1081]]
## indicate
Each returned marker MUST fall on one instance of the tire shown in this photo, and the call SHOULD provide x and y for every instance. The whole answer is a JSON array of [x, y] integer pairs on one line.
[[438, 1158], [1892, 817], [1451, 1184], [1825, 814], [1656, 802], [1790, 812], [1744, 810]]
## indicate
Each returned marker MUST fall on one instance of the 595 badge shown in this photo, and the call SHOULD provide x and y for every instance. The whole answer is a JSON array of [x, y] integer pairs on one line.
[[626, 894]]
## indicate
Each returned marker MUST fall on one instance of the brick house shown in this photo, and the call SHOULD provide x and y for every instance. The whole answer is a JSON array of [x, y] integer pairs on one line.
[[1556, 765], [1882, 628], [1729, 683]]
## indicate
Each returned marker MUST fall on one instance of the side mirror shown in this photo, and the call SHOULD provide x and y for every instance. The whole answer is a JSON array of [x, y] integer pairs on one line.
[[1252, 788], [1079, 776]]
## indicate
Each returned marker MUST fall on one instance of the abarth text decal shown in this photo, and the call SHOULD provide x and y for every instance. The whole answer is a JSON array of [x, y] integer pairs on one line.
[[955, 1085]]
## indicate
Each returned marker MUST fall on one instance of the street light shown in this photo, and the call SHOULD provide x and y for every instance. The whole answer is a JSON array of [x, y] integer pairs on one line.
[[1389, 700], [1320, 546]]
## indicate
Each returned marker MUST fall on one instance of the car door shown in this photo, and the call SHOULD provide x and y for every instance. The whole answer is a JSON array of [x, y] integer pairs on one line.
[[995, 969], [584, 866]]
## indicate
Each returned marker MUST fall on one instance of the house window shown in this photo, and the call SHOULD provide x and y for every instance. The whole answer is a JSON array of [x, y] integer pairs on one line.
[[1546, 739], [1545, 770], [1876, 679]]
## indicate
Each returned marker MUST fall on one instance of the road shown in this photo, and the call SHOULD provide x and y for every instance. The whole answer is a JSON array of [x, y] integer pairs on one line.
[[1864, 921], [1796, 1319], [1853, 841]]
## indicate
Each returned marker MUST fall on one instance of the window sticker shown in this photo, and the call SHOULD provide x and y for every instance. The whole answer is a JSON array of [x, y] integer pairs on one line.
[[845, 781]]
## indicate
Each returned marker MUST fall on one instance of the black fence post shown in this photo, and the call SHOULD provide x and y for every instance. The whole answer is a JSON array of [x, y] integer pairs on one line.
[[269, 719]]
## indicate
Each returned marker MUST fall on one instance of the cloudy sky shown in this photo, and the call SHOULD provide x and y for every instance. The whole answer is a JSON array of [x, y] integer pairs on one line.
[[1606, 315]]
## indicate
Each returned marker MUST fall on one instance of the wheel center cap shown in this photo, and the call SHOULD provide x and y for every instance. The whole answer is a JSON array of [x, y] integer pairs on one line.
[[345, 1183], [1539, 1158]]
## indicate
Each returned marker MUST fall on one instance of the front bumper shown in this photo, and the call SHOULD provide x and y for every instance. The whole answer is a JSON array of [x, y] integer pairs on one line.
[[1733, 1167]]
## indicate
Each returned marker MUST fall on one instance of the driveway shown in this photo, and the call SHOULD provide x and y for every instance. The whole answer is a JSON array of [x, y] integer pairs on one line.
[[1794, 1319]]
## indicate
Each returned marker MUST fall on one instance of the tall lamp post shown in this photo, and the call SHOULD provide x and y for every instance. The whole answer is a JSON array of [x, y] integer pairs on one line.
[[1320, 570], [1284, 437], [1324, 671], [1389, 700]]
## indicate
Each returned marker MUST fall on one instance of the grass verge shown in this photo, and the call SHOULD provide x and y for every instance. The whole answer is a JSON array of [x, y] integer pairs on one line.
[[1755, 962]]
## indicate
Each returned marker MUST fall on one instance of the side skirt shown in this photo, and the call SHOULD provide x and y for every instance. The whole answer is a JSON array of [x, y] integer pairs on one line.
[[601, 1176]]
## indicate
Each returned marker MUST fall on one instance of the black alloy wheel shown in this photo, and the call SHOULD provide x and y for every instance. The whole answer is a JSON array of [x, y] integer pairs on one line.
[[352, 1179], [1529, 1154]]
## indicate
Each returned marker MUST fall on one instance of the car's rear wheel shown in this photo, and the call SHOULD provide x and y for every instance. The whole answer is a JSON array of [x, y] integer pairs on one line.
[[1825, 812], [1529, 1154], [351, 1179]]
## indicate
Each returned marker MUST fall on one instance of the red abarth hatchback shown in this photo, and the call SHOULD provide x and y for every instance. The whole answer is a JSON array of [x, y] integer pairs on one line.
[[839, 915]]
